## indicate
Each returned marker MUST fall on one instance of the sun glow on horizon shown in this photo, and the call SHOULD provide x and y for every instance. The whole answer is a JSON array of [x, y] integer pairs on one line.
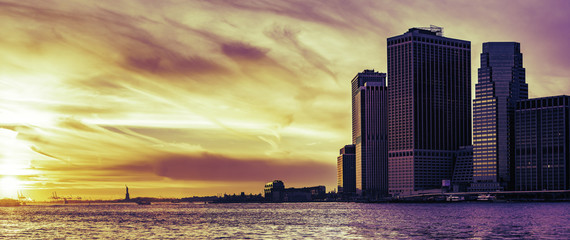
[[9, 187], [94, 95]]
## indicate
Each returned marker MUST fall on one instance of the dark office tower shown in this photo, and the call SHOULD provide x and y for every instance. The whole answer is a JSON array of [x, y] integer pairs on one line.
[[542, 144], [429, 79], [370, 129], [500, 85], [346, 170], [358, 81]]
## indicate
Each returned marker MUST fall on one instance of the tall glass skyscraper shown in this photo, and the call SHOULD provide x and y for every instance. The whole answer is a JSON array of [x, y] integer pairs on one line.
[[369, 132], [429, 100], [500, 85]]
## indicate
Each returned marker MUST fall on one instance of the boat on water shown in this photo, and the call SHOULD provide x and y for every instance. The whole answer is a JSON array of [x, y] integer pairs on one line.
[[452, 198], [7, 202], [486, 197], [143, 202]]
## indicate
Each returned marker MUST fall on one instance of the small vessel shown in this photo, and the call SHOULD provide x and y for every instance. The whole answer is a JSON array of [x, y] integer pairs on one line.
[[486, 197], [7, 202], [452, 198], [143, 202]]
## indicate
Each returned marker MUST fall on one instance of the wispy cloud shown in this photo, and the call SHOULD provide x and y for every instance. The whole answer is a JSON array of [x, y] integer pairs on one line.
[[96, 94]]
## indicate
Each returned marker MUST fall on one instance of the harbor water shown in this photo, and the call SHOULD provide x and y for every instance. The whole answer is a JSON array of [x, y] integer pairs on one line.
[[464, 220]]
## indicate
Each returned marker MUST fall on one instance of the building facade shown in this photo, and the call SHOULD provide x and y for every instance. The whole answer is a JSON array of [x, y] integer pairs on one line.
[[305, 194], [429, 100], [274, 191], [463, 169], [501, 83], [346, 170], [370, 130], [542, 144]]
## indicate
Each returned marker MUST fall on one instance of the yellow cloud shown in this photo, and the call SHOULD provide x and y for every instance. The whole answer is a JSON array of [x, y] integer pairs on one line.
[[88, 87]]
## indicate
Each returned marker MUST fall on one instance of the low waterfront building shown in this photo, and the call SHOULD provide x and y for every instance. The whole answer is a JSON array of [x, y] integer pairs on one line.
[[274, 191], [305, 194]]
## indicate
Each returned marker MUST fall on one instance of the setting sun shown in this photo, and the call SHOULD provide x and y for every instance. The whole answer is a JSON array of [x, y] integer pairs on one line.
[[9, 187]]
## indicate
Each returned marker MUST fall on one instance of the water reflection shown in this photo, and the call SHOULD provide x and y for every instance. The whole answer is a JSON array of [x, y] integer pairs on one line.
[[291, 220]]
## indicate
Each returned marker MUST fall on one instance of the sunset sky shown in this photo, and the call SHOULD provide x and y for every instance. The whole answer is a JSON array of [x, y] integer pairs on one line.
[[184, 98]]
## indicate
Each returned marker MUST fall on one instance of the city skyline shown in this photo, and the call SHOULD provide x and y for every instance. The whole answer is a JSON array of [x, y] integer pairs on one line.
[[214, 97]]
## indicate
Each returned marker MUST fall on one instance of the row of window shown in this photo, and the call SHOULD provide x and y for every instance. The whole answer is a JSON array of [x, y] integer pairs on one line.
[[485, 175], [405, 41], [484, 126], [543, 102]]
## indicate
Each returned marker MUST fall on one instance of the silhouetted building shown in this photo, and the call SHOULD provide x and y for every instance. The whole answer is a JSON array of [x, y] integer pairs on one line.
[[500, 85], [463, 169], [305, 194], [429, 79], [370, 130], [274, 191], [242, 198], [542, 144], [346, 172]]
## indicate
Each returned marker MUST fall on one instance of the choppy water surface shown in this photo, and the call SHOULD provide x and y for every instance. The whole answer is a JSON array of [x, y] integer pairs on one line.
[[289, 221]]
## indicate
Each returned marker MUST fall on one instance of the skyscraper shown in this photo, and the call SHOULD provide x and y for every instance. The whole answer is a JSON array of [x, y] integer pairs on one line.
[[429, 79], [346, 170], [500, 85], [542, 137], [369, 132]]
